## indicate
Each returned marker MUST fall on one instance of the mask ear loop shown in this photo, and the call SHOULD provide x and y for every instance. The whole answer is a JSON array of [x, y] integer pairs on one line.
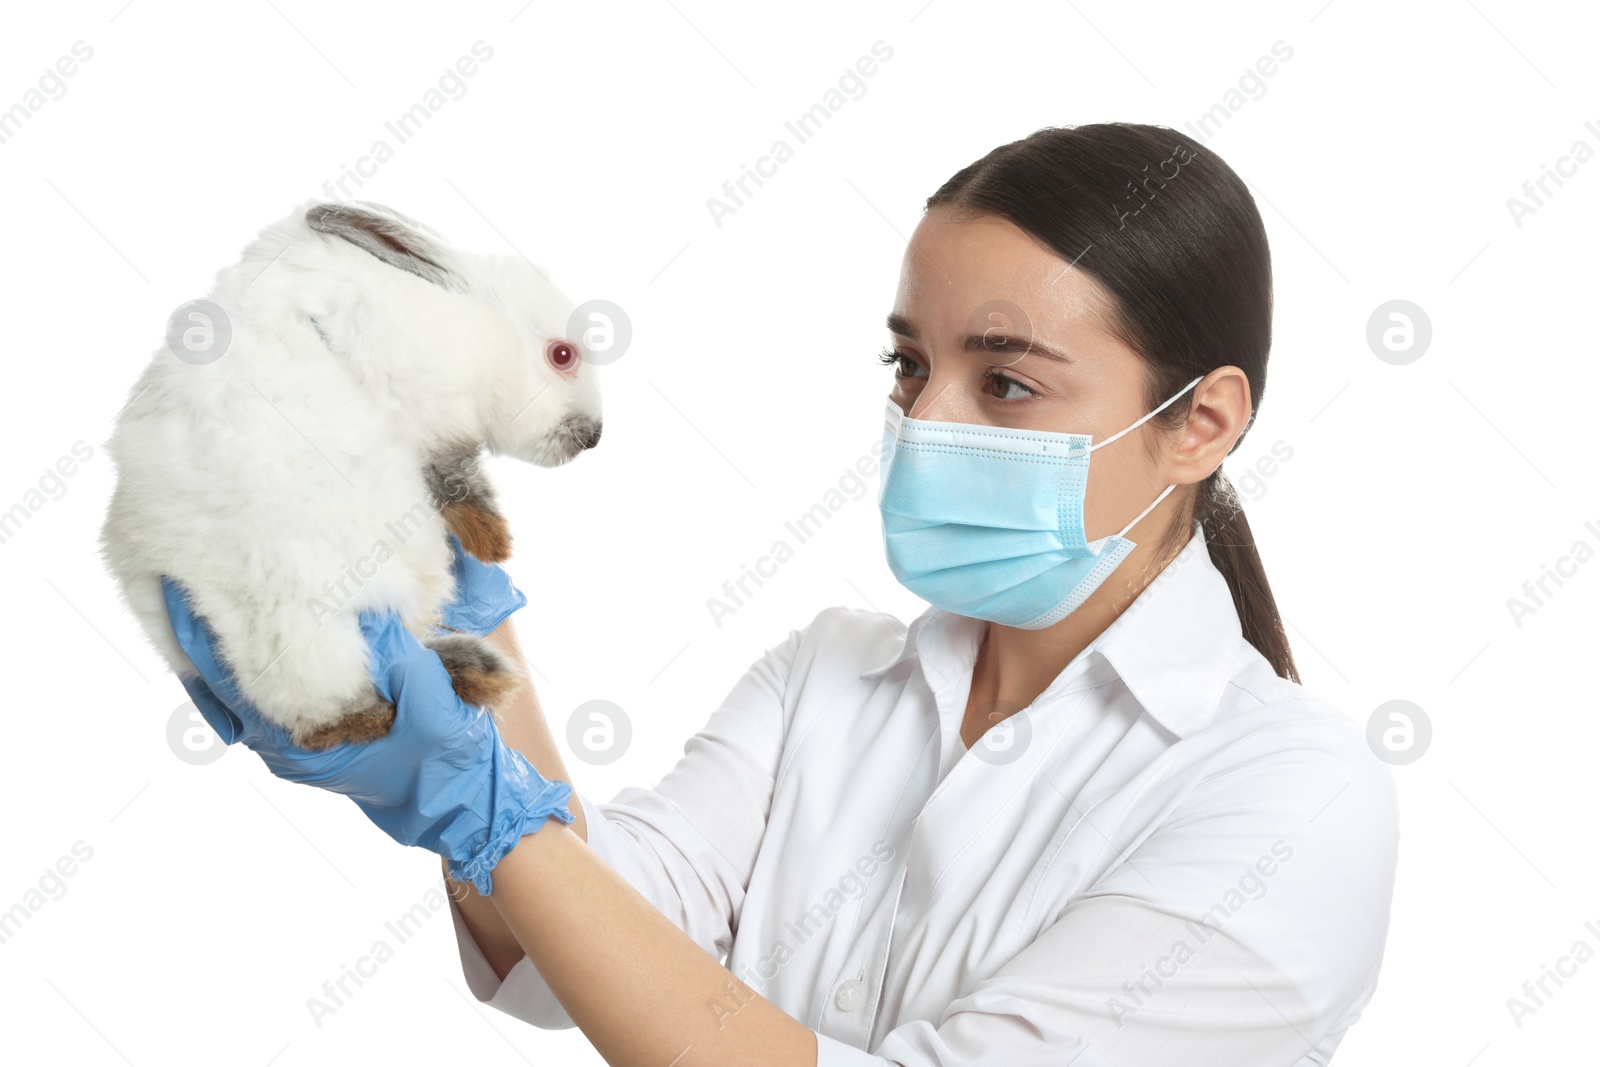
[[1152, 413], [1148, 509], [1149, 415]]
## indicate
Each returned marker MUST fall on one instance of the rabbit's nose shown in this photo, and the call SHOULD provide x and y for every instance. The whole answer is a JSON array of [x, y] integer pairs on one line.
[[589, 434]]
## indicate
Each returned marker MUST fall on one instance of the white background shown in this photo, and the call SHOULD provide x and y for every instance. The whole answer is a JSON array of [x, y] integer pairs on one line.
[[1418, 498]]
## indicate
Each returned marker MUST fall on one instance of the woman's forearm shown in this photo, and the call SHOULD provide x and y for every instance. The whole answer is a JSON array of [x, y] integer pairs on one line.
[[523, 726], [639, 988], [642, 992]]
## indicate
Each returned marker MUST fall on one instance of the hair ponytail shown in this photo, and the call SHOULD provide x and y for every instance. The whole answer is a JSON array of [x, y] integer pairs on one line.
[[1233, 552], [1171, 232]]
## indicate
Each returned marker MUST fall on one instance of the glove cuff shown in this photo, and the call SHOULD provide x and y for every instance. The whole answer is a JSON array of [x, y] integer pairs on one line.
[[522, 801]]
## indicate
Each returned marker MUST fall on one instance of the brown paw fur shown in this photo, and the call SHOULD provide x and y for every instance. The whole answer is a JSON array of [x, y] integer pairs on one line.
[[456, 477], [367, 721], [480, 673], [483, 533]]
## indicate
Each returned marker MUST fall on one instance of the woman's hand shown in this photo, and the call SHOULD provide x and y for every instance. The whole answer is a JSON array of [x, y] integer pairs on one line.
[[443, 778], [485, 596]]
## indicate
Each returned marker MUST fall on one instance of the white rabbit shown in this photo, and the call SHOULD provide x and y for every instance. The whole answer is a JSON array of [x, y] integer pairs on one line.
[[312, 469]]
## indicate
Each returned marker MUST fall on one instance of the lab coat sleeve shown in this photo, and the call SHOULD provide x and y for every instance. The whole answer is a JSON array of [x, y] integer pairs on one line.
[[1244, 930], [687, 845]]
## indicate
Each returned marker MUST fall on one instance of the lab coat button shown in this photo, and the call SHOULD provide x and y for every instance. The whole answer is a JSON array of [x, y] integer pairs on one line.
[[851, 995]]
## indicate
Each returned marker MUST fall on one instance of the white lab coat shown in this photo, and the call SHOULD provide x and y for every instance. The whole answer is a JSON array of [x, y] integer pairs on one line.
[[1171, 856]]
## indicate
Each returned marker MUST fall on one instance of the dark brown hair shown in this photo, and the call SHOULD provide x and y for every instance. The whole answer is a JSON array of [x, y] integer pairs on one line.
[[1172, 233]]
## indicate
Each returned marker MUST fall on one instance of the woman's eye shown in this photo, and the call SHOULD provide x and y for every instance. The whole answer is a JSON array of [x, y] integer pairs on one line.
[[905, 366], [1006, 383]]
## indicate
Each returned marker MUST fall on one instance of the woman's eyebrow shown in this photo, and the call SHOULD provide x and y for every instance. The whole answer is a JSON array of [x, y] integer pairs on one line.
[[991, 341]]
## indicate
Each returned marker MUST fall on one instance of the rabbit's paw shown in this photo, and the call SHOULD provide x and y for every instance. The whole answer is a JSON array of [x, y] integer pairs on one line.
[[469, 508], [366, 719], [481, 673], [483, 533]]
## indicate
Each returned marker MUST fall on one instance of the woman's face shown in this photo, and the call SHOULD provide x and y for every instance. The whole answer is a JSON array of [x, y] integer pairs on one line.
[[991, 328]]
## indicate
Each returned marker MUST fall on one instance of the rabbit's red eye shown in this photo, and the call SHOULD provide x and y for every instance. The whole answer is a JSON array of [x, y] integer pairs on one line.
[[563, 355]]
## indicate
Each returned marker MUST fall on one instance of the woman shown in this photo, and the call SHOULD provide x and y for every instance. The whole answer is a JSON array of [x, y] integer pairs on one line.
[[1079, 811]]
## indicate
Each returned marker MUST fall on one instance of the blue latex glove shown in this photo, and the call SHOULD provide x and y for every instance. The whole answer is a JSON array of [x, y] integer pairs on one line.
[[443, 778], [485, 597]]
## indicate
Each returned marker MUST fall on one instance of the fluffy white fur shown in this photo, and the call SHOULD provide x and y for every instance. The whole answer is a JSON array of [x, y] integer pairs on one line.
[[258, 480]]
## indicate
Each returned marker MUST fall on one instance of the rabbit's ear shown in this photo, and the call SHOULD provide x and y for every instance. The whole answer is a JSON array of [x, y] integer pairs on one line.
[[388, 235]]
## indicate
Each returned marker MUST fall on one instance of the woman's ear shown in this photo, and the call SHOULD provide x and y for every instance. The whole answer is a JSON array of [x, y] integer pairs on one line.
[[1219, 414], [390, 236]]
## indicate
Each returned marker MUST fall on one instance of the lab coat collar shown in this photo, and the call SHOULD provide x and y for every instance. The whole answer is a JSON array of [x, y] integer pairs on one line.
[[1174, 647]]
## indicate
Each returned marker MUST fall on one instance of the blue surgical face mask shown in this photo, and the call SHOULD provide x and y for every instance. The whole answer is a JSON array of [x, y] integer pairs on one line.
[[987, 522]]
